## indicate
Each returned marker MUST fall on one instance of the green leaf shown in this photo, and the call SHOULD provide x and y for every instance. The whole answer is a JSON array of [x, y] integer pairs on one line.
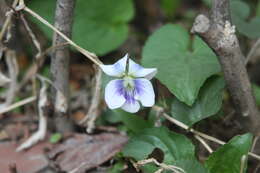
[[240, 13], [227, 159], [112, 116], [191, 166], [207, 2], [56, 137], [170, 6], [118, 167], [258, 9], [177, 149], [256, 89], [207, 104], [132, 122], [181, 71], [99, 26], [174, 146]]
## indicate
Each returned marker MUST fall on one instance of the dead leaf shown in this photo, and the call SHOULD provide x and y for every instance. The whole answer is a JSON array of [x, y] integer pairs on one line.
[[83, 152], [30, 161]]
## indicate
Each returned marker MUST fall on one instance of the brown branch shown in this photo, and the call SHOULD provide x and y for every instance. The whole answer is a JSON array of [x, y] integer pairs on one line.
[[60, 58], [218, 33], [220, 10]]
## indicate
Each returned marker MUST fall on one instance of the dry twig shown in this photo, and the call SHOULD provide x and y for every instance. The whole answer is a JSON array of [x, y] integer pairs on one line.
[[93, 111], [18, 104], [88, 54], [8, 20], [13, 72], [162, 166], [40, 134], [201, 140], [32, 35]]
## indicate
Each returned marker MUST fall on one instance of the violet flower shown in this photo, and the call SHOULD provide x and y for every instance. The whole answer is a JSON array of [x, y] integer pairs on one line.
[[131, 87]]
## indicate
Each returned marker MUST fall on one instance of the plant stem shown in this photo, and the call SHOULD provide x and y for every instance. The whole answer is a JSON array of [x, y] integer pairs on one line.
[[220, 36], [60, 63]]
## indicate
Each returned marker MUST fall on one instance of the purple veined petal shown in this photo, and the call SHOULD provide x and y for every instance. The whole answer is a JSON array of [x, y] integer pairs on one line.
[[138, 71], [144, 92], [117, 69], [131, 107], [114, 94], [129, 96]]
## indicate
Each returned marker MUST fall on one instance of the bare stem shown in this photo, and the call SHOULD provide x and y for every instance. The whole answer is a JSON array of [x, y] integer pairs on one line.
[[162, 166], [60, 60], [220, 11], [220, 36], [203, 143], [32, 35]]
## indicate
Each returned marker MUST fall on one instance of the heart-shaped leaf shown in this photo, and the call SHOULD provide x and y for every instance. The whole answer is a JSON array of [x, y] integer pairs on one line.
[[99, 26], [177, 149], [240, 12], [183, 72], [227, 159], [207, 104]]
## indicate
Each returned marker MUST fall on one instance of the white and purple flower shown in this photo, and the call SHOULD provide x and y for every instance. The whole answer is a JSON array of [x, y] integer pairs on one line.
[[132, 86]]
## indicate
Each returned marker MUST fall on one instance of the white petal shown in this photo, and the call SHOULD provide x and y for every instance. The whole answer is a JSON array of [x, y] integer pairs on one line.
[[138, 71], [117, 69], [145, 92], [113, 97], [132, 107]]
